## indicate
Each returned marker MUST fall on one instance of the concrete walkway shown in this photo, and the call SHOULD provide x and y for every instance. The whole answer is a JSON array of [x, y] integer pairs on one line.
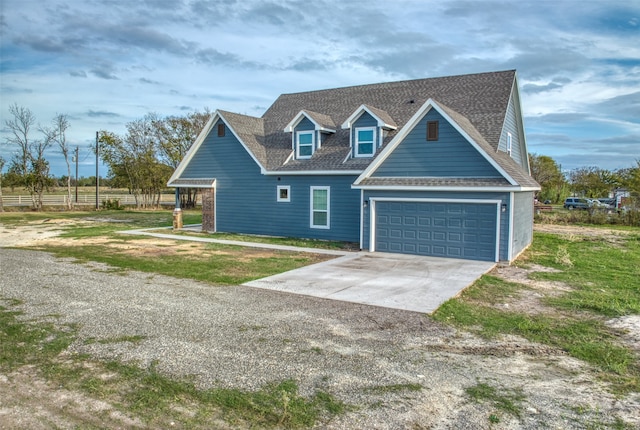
[[398, 281]]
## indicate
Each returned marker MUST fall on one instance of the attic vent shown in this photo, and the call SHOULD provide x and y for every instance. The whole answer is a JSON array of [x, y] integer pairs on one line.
[[220, 130], [432, 130]]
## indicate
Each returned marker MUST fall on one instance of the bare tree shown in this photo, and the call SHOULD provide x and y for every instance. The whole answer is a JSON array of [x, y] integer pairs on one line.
[[38, 179], [20, 126], [57, 133], [2, 162], [28, 162]]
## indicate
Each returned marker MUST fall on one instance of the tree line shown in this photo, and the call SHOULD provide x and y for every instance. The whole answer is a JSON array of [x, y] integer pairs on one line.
[[144, 157], [590, 182], [141, 160]]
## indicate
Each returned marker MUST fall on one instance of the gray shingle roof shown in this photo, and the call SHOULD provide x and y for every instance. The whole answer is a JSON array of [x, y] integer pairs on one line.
[[384, 116], [325, 121], [477, 102], [192, 183]]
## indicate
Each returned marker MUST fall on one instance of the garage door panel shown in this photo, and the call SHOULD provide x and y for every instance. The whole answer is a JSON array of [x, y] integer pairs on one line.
[[458, 230], [410, 234], [439, 222], [454, 237], [439, 235], [424, 221]]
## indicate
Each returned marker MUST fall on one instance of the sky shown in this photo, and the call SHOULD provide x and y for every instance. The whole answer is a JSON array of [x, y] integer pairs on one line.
[[105, 63]]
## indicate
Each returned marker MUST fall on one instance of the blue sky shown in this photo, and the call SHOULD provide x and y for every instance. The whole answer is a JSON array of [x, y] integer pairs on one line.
[[107, 62]]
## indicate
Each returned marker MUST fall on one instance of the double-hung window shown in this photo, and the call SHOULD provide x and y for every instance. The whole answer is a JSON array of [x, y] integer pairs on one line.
[[320, 204], [304, 144], [365, 141]]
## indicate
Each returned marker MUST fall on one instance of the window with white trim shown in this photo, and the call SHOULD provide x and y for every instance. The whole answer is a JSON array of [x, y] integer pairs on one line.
[[304, 144], [284, 193], [509, 139], [320, 207], [365, 141]]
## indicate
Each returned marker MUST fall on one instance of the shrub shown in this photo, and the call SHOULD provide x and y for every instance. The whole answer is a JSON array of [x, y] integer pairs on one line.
[[112, 205]]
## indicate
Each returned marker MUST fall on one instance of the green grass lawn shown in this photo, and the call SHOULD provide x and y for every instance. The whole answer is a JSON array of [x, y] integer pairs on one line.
[[603, 280], [213, 263]]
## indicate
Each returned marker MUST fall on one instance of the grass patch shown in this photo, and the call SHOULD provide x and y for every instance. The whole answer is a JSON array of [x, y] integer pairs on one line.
[[217, 264], [147, 394], [22, 343], [508, 401], [393, 388], [233, 267], [285, 241], [605, 279], [135, 339]]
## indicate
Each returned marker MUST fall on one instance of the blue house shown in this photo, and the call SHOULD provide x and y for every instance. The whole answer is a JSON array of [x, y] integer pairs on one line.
[[434, 167]]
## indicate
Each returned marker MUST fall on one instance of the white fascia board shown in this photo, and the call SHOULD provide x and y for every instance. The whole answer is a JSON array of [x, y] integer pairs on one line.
[[194, 148], [296, 120], [410, 125], [314, 173], [358, 113], [515, 91]]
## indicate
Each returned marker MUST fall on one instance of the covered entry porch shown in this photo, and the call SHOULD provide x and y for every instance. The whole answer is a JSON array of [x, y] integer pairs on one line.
[[207, 189]]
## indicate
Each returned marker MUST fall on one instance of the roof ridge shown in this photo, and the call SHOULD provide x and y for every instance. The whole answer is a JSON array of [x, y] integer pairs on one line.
[[403, 82]]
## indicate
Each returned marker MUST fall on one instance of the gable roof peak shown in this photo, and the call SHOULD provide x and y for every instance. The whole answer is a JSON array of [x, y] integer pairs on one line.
[[383, 119], [321, 121]]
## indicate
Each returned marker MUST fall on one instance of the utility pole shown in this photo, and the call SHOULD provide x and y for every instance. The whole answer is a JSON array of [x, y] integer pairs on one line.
[[77, 149], [97, 175]]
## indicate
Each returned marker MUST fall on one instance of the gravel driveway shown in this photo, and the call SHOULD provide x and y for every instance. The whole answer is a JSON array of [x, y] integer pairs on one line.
[[244, 337]]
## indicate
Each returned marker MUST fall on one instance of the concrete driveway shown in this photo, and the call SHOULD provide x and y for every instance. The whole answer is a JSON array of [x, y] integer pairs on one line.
[[397, 281]]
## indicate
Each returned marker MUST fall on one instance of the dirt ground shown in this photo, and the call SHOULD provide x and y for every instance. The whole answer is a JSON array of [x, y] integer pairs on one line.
[[28, 401]]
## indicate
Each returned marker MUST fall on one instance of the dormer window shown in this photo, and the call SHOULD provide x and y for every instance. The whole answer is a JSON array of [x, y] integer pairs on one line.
[[308, 129], [365, 141], [367, 127], [304, 144]]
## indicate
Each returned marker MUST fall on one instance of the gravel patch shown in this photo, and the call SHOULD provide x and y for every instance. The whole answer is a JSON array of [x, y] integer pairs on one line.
[[244, 338]]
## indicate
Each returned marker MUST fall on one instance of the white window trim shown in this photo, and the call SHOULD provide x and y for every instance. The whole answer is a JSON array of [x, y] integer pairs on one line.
[[311, 211], [283, 187], [509, 143], [297, 143], [356, 141]]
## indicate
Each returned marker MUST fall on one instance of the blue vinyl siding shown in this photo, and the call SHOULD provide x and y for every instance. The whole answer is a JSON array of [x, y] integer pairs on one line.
[[449, 156], [213, 155], [365, 120], [513, 125], [503, 253], [522, 222], [246, 200]]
